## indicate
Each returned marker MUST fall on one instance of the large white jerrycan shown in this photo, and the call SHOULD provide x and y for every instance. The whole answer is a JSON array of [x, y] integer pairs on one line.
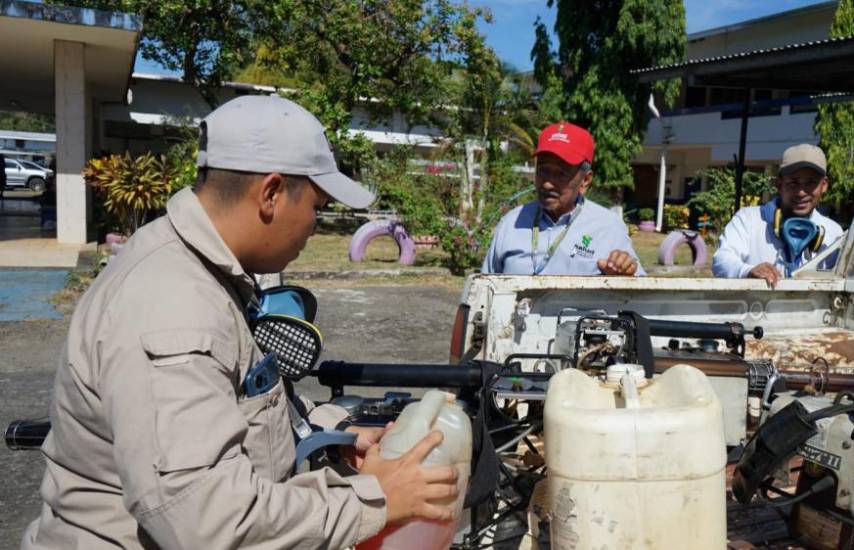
[[437, 410], [635, 463]]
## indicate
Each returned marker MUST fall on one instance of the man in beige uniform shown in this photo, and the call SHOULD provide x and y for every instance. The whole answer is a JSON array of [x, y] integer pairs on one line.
[[153, 444]]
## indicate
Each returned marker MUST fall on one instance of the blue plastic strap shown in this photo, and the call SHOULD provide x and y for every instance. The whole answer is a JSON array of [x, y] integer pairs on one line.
[[321, 439]]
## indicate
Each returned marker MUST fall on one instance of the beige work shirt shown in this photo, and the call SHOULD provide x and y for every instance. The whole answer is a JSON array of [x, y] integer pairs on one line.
[[152, 444]]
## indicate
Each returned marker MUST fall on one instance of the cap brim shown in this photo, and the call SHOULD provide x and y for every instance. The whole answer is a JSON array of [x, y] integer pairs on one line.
[[786, 170], [343, 189], [570, 157]]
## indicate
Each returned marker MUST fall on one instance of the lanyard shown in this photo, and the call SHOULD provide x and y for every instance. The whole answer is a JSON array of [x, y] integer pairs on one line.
[[535, 236]]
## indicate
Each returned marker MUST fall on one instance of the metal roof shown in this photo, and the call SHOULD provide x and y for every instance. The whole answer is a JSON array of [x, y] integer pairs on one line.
[[825, 65], [27, 136]]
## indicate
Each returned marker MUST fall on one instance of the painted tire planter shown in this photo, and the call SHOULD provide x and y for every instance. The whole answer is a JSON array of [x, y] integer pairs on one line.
[[677, 238], [378, 228], [647, 225]]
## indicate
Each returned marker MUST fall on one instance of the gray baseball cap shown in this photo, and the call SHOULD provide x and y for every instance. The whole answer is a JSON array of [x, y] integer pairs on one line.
[[270, 134], [803, 156]]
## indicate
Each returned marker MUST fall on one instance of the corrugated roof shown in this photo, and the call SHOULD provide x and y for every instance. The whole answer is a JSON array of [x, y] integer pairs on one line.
[[743, 55], [822, 65]]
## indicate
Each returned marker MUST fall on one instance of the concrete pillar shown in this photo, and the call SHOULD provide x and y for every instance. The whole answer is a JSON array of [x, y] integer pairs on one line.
[[72, 140]]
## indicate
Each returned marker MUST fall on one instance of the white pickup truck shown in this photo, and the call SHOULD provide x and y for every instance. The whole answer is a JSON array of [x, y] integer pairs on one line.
[[808, 320]]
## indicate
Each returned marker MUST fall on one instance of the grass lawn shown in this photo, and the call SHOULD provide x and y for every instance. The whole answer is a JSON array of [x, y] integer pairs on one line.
[[647, 245], [328, 252]]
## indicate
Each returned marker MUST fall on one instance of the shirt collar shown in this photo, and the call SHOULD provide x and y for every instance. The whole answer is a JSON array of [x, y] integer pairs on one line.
[[565, 218], [195, 227]]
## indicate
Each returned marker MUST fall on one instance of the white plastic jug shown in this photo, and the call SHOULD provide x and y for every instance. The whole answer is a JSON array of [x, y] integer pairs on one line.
[[437, 410], [635, 463]]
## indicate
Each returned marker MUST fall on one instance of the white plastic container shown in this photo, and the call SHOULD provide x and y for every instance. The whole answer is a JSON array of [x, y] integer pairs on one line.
[[635, 463], [437, 410]]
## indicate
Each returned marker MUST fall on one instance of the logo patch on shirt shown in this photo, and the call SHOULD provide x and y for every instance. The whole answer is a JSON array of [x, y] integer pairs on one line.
[[583, 249]]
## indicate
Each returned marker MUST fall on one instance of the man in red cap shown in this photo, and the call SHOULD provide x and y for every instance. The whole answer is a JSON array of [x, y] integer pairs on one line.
[[562, 233]]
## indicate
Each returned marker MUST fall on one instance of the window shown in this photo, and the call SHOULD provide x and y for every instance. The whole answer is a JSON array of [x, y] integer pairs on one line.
[[695, 96], [726, 96]]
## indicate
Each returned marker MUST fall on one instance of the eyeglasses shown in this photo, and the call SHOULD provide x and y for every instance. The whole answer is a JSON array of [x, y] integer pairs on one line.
[[808, 185]]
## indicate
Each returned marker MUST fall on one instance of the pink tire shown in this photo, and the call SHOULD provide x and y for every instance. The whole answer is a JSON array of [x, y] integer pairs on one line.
[[378, 228], [675, 239]]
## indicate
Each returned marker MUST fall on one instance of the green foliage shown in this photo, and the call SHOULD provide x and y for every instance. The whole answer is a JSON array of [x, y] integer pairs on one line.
[[466, 246], [182, 156], [719, 199], [600, 42], [205, 40], [27, 122], [646, 214], [418, 196], [676, 216], [382, 57], [130, 187], [834, 123], [466, 240]]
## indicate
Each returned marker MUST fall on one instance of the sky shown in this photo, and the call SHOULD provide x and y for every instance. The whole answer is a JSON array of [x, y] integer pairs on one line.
[[511, 32]]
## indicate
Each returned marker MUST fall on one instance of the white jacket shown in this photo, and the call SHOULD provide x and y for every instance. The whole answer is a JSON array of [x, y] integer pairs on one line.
[[749, 240]]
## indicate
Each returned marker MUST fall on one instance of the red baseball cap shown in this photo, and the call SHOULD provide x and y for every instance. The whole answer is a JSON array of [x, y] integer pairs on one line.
[[573, 144]]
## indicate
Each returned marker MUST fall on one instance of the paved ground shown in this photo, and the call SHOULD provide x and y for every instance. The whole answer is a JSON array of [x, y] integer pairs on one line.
[[25, 293], [382, 324], [23, 243]]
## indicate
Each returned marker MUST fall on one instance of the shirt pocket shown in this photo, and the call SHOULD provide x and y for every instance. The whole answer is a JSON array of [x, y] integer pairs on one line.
[[269, 441], [196, 420]]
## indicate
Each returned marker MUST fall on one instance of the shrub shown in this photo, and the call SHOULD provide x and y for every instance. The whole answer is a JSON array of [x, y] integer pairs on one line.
[[646, 214], [182, 156], [676, 216], [719, 200], [130, 187], [416, 197]]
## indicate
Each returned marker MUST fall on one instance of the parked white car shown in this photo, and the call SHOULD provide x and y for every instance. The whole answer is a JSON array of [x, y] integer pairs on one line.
[[21, 173]]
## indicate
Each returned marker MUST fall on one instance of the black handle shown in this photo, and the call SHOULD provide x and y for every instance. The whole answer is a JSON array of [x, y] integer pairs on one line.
[[339, 373], [686, 329], [26, 434]]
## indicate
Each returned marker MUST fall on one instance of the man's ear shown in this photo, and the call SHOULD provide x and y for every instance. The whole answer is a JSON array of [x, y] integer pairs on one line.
[[778, 183], [270, 191], [585, 182], [823, 186]]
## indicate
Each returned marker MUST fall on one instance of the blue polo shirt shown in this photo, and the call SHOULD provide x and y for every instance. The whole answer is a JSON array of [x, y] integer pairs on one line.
[[593, 235]]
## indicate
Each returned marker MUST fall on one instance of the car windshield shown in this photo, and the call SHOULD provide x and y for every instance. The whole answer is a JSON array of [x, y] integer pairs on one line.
[[30, 164]]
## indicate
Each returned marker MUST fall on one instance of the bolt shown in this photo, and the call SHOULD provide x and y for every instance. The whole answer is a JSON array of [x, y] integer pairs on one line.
[[846, 444]]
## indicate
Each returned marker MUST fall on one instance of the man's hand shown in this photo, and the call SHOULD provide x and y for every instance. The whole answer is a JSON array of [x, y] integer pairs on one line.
[[765, 271], [619, 262], [366, 438], [409, 487]]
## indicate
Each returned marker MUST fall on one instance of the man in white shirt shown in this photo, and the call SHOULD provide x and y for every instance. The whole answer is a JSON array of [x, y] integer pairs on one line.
[[753, 243]]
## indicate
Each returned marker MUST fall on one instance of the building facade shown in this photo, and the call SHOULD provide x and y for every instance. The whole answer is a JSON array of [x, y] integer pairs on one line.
[[702, 130]]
